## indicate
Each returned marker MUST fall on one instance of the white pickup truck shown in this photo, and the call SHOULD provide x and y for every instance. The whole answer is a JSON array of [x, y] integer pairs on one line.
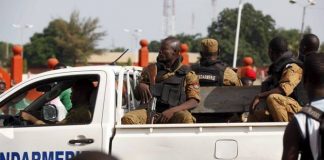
[[112, 98]]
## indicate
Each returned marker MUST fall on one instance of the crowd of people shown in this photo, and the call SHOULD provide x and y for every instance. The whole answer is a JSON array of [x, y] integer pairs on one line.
[[283, 90], [293, 83]]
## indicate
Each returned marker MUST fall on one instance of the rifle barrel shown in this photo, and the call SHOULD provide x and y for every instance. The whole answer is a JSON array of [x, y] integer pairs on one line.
[[114, 62]]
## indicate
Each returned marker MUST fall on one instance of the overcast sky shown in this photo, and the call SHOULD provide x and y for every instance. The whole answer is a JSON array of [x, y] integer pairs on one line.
[[117, 15]]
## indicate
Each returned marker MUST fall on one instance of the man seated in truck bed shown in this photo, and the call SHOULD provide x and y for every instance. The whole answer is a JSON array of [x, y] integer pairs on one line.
[[174, 85], [213, 72], [282, 90], [210, 70]]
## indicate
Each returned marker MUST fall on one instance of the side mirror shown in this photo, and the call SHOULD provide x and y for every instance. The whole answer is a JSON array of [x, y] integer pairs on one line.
[[49, 112]]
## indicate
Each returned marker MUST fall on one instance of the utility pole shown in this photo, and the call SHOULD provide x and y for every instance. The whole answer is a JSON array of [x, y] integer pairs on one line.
[[214, 5], [135, 33], [193, 19], [7, 50], [303, 21], [21, 28], [237, 36], [169, 17], [310, 3]]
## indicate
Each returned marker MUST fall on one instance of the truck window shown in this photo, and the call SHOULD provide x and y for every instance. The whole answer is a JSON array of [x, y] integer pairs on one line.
[[43, 101], [20, 102]]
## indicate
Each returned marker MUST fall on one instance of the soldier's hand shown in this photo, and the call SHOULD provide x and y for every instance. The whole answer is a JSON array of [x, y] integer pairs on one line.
[[25, 116], [144, 92], [254, 104], [28, 117], [167, 115]]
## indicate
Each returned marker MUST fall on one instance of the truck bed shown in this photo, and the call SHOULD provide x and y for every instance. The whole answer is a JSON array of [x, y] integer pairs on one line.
[[199, 141]]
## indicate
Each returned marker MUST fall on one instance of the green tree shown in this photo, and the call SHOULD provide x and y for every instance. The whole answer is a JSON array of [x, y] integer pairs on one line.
[[3, 50], [154, 46], [129, 62], [118, 49], [193, 41], [292, 36], [5, 54], [308, 30], [71, 42], [255, 32]]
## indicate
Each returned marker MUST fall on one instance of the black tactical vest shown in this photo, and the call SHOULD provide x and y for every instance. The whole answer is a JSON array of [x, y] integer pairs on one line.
[[276, 70], [170, 92], [211, 73]]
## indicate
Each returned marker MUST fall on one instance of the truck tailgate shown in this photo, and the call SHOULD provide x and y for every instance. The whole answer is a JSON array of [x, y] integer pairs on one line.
[[199, 141]]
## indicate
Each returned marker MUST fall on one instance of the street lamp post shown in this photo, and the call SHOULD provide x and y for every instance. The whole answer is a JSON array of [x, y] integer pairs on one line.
[[21, 28], [135, 34], [237, 36], [311, 3], [303, 19]]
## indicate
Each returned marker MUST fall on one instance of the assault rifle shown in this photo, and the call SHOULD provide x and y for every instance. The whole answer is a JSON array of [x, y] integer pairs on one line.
[[152, 116], [151, 111]]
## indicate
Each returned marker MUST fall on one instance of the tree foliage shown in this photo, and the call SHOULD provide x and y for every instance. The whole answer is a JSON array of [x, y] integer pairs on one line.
[[154, 46], [292, 36], [70, 41], [118, 49], [193, 42], [255, 32], [5, 54]]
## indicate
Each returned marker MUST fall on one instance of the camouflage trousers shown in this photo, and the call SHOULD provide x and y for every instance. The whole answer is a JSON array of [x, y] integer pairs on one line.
[[280, 109], [139, 116]]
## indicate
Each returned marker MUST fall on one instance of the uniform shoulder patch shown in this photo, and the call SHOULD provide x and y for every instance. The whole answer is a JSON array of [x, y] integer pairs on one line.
[[288, 65], [196, 85]]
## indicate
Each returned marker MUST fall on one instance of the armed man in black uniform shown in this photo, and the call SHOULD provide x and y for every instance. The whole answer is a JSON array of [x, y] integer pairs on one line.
[[210, 70], [174, 85]]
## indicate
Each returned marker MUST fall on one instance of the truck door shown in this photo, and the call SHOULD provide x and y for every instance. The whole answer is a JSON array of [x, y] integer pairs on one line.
[[21, 140]]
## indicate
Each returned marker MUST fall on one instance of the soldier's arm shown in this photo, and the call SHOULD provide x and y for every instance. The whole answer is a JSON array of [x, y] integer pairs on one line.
[[142, 80], [189, 104], [192, 93], [143, 83], [192, 86], [291, 77], [142, 91], [261, 95], [80, 115], [231, 78], [291, 141], [28, 117]]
